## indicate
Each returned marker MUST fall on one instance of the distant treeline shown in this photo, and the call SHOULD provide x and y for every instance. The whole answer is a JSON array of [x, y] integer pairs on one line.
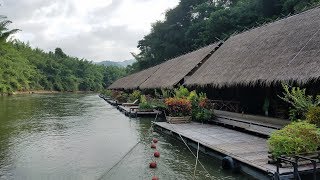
[[196, 23], [24, 68]]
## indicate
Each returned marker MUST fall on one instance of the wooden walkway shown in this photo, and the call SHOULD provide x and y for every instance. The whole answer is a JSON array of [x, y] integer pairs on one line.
[[247, 149], [257, 124]]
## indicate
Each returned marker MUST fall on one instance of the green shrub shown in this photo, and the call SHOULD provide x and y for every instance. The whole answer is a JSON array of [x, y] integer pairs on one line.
[[313, 116], [299, 101], [295, 138], [107, 92], [144, 103], [166, 93], [122, 97], [135, 95], [182, 92], [158, 104], [202, 114], [193, 96]]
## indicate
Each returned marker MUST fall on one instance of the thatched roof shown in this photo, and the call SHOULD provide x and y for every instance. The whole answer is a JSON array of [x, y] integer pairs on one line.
[[173, 71], [134, 80], [285, 50]]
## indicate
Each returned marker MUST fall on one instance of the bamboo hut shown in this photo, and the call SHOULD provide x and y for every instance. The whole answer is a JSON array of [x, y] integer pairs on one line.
[[133, 81], [173, 72], [248, 67]]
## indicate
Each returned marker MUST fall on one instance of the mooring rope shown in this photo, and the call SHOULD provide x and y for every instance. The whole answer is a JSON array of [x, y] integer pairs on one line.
[[107, 172], [195, 166], [196, 156]]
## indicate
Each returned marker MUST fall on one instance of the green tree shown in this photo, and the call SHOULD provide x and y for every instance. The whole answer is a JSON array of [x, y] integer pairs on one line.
[[4, 31]]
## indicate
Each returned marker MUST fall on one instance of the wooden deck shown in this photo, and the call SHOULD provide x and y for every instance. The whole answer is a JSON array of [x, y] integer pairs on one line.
[[133, 111], [249, 150], [257, 124]]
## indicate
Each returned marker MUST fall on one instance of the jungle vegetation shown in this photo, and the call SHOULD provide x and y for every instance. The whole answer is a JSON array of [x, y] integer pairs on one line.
[[24, 68], [195, 23]]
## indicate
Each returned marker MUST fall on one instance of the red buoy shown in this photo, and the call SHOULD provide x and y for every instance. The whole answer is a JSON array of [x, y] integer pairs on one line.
[[155, 140], [156, 154], [153, 146], [155, 178], [153, 164]]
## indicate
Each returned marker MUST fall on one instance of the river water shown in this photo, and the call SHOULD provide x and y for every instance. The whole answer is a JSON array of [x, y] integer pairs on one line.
[[80, 136]]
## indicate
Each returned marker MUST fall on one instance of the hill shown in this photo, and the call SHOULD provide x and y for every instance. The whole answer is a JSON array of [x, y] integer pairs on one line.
[[119, 64]]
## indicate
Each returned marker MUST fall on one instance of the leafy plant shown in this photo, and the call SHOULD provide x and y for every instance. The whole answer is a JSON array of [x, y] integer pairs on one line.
[[193, 96], [178, 107], [158, 104], [295, 138], [182, 92], [313, 116], [144, 103], [166, 93], [299, 101], [157, 94], [107, 92], [135, 95], [115, 93], [201, 111], [122, 97], [202, 114]]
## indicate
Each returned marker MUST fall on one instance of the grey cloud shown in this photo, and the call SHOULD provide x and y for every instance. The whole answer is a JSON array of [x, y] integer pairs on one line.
[[93, 39]]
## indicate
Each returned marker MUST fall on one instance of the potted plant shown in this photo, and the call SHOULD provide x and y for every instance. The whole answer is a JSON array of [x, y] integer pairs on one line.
[[179, 110], [145, 105]]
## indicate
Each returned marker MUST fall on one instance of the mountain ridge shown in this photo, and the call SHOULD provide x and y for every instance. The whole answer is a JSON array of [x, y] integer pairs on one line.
[[124, 63]]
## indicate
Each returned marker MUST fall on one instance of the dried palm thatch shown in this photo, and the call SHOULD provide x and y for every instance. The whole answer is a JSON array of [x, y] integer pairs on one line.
[[173, 71], [282, 51], [134, 80]]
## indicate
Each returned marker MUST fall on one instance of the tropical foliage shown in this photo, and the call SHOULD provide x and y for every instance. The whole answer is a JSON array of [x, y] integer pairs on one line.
[[121, 97], [201, 107], [135, 95], [300, 102], [178, 107], [313, 116], [25, 68], [180, 102], [144, 104], [295, 138], [196, 23]]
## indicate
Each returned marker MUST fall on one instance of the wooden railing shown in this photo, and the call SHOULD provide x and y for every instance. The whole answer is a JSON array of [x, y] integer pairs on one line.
[[232, 106]]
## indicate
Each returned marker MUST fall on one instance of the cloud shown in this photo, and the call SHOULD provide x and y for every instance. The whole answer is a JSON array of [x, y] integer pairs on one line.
[[96, 30]]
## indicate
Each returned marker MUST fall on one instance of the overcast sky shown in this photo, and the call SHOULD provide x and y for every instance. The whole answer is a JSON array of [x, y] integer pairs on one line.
[[93, 29]]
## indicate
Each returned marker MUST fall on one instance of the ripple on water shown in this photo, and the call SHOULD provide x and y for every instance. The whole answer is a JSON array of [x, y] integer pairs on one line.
[[80, 136]]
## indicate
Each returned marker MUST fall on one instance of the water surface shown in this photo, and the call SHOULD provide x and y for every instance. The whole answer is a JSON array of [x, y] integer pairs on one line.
[[80, 136]]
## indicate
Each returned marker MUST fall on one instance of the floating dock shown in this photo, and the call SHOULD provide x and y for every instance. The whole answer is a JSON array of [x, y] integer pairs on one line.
[[248, 151], [131, 110]]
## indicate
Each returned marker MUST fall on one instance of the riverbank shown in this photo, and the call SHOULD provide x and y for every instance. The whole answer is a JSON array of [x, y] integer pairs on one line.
[[45, 92]]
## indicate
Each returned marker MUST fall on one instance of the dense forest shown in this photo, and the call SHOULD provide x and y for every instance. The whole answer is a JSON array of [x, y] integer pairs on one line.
[[23, 68], [196, 23]]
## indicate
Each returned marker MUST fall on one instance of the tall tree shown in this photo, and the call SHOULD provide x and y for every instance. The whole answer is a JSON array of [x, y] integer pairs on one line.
[[4, 31]]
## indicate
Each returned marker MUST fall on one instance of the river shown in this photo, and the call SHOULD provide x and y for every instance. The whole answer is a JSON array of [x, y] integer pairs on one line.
[[80, 136]]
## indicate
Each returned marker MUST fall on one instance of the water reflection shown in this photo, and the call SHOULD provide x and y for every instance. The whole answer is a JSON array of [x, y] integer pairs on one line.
[[79, 136]]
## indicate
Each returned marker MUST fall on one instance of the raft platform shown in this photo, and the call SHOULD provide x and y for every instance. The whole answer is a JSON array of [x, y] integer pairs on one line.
[[133, 111], [249, 152]]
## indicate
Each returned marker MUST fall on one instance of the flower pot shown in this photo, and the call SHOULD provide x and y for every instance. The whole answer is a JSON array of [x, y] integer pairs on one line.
[[177, 120]]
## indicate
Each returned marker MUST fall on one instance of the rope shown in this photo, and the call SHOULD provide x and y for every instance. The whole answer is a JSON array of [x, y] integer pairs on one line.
[[107, 172], [195, 156], [195, 167]]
